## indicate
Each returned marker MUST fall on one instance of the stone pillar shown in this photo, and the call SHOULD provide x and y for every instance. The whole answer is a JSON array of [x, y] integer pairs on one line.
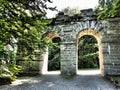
[[111, 47], [68, 59], [68, 52]]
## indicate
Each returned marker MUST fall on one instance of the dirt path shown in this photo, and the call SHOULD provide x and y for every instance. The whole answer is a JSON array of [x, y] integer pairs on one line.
[[57, 82]]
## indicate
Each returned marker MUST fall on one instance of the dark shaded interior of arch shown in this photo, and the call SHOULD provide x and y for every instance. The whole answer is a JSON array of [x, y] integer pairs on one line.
[[54, 55], [88, 53]]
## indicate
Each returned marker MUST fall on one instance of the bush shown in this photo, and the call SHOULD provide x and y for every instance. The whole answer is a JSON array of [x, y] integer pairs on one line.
[[8, 67]]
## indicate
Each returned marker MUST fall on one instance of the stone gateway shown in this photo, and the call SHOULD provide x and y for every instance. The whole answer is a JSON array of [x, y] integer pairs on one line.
[[70, 29]]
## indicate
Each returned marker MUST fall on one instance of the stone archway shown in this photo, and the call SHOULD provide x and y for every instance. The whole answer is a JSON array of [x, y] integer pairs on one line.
[[70, 28], [44, 54], [98, 37]]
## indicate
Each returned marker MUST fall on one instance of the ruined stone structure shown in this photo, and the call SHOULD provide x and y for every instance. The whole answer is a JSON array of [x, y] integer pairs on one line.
[[71, 28]]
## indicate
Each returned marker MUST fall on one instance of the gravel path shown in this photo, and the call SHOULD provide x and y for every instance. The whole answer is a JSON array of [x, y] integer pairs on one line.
[[57, 82]]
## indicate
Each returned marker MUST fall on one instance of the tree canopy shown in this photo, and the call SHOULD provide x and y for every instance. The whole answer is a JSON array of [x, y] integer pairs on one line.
[[22, 23], [23, 19], [108, 9]]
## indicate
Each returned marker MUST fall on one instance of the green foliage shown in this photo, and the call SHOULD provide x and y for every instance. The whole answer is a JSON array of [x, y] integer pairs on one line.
[[25, 21], [22, 21], [87, 53], [1, 52], [54, 56], [109, 10], [115, 80], [9, 71], [8, 68]]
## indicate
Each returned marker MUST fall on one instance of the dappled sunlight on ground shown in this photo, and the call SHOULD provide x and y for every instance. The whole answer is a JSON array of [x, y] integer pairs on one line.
[[22, 80], [85, 80]]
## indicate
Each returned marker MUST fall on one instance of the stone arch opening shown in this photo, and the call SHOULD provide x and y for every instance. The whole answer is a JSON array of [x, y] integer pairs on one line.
[[51, 37], [98, 37], [88, 53], [54, 55]]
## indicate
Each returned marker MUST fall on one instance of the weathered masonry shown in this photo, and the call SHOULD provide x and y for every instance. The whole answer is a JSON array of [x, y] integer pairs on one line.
[[71, 28]]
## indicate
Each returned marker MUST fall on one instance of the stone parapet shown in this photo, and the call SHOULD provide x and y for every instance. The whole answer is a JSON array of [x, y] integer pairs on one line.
[[85, 15]]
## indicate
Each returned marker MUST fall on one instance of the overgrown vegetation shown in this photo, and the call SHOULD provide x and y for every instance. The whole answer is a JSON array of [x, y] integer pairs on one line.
[[22, 23], [108, 9], [54, 55], [8, 67]]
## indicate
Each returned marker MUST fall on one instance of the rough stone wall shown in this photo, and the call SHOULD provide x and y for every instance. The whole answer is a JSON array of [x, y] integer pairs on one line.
[[70, 37], [68, 59], [30, 67], [111, 47], [35, 66], [68, 51]]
